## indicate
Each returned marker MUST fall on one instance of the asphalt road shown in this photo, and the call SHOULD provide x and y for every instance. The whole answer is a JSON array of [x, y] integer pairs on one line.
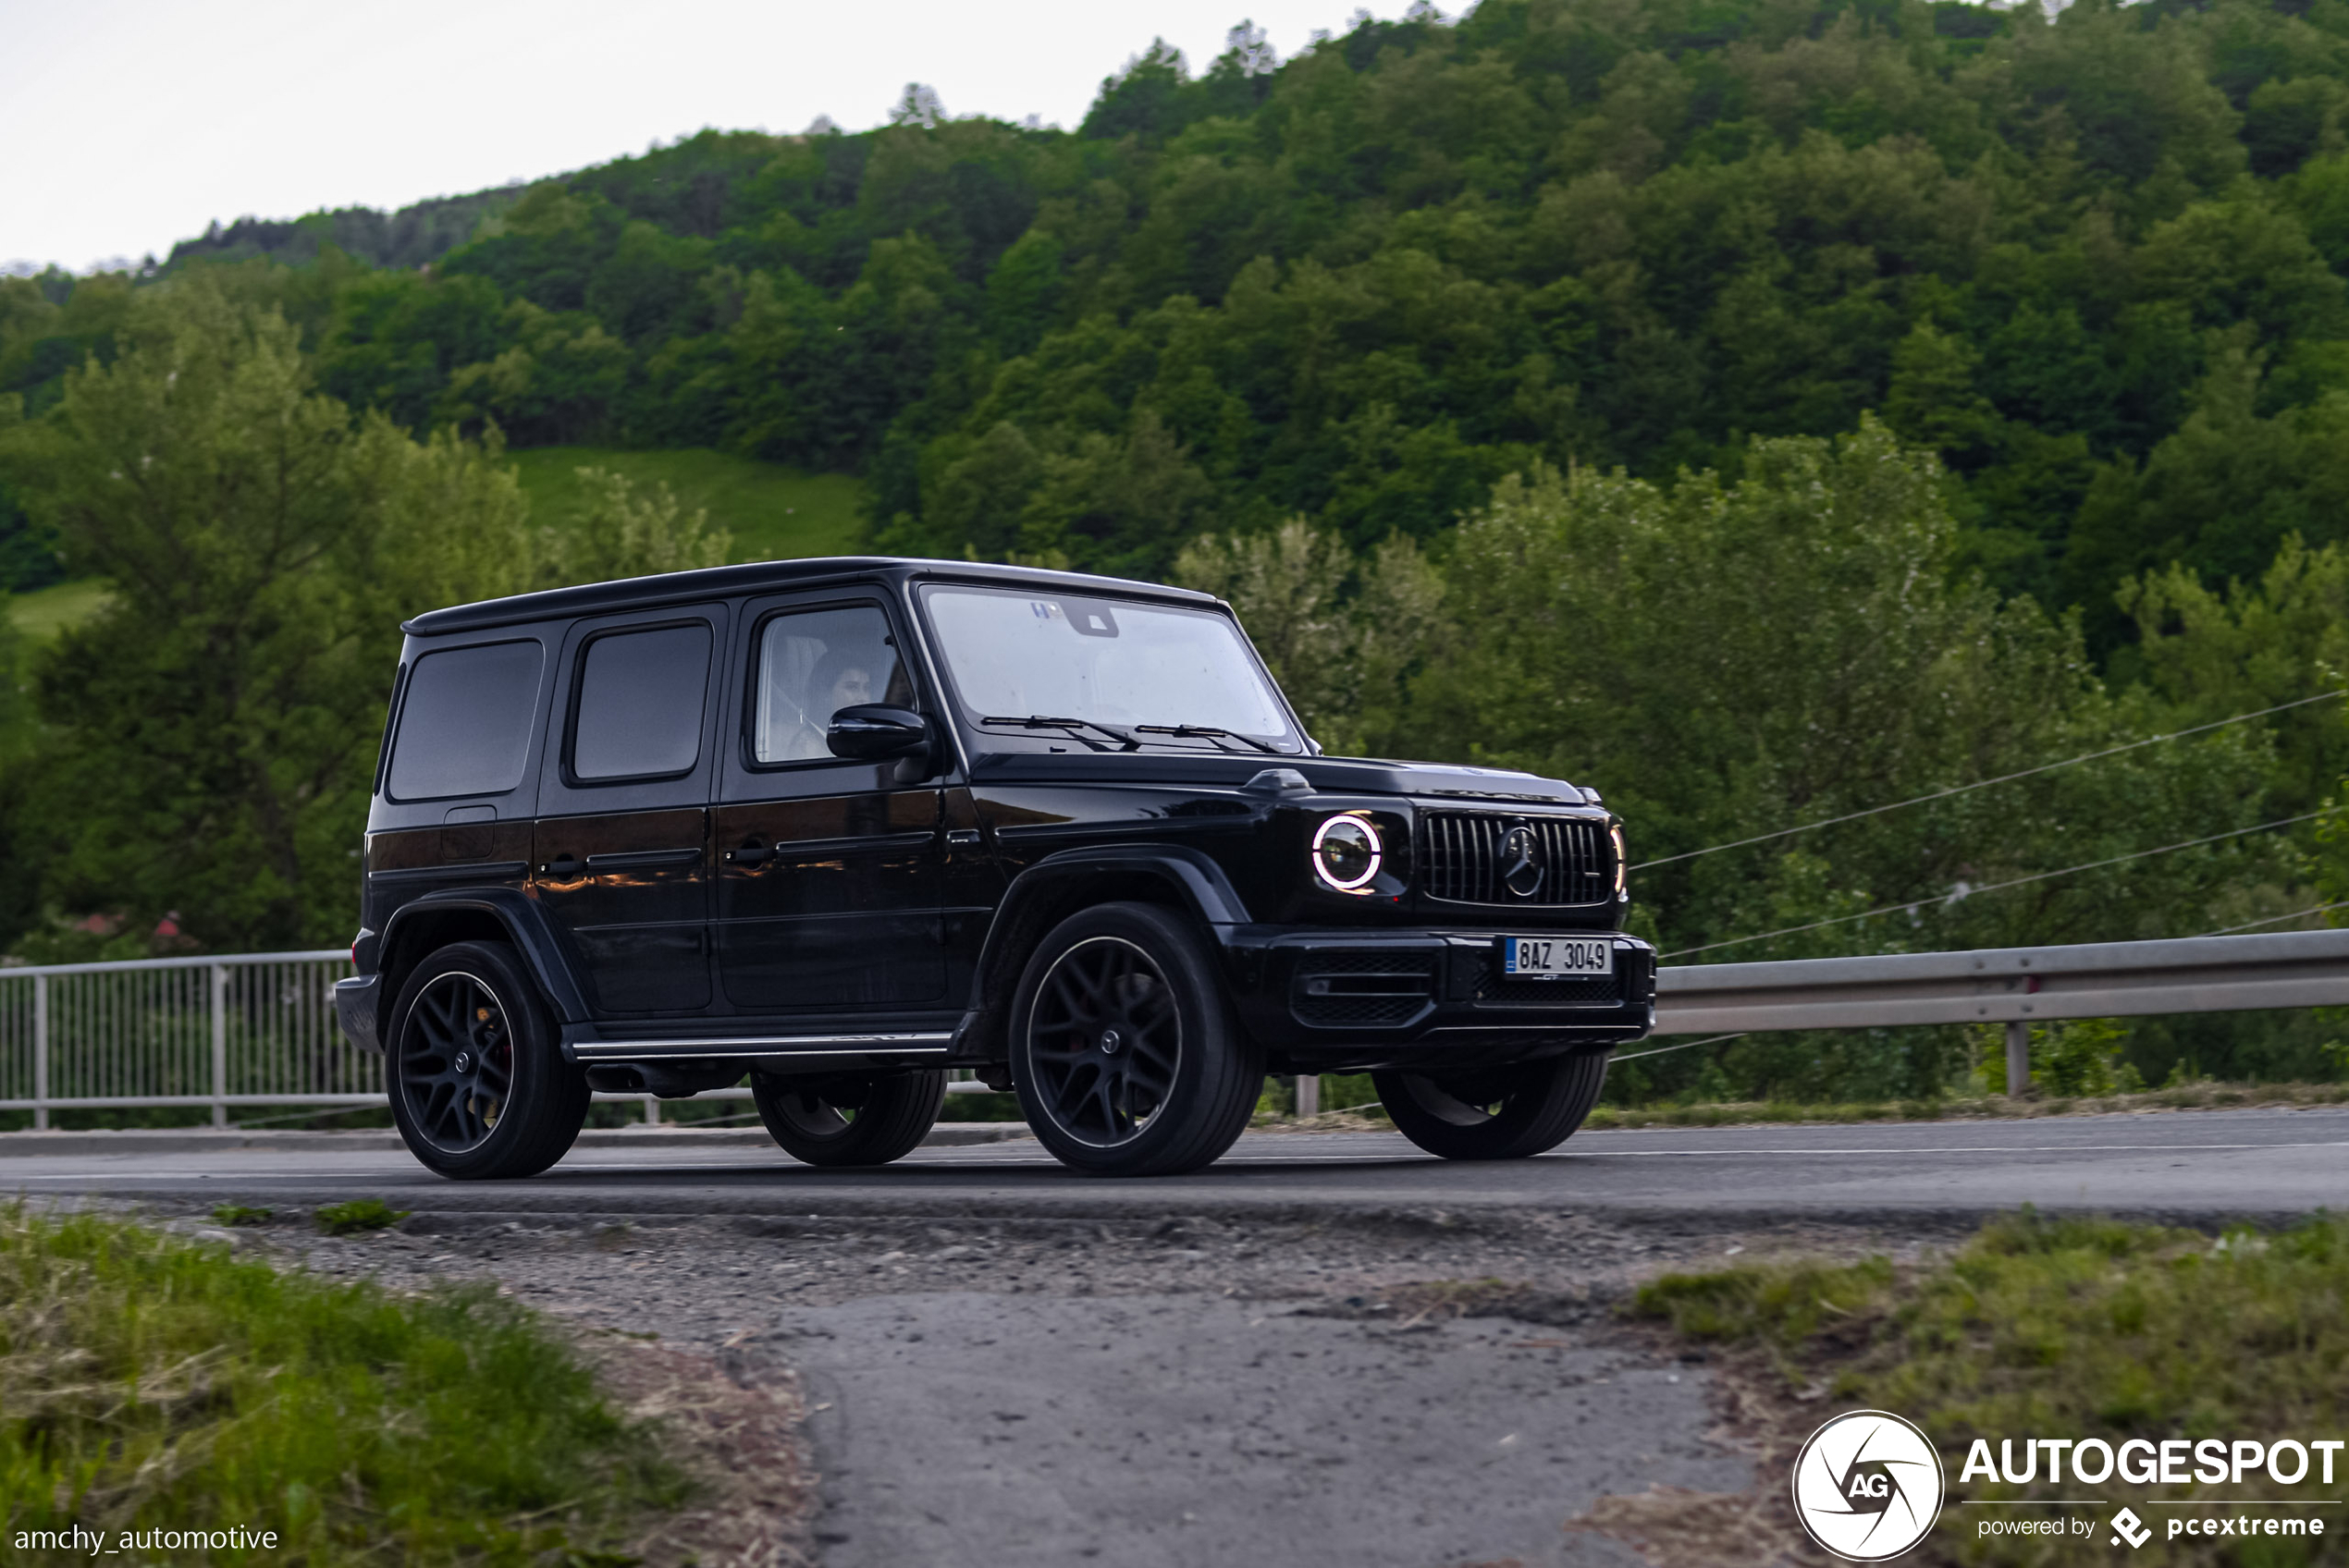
[[2202, 1165]]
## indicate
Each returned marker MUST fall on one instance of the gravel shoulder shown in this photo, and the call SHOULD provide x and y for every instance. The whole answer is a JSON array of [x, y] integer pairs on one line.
[[1423, 1391]]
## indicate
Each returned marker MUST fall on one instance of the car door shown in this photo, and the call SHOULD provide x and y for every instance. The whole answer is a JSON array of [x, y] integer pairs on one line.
[[621, 848], [829, 876]]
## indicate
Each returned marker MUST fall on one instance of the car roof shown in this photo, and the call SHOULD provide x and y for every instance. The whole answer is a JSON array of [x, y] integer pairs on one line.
[[758, 577]]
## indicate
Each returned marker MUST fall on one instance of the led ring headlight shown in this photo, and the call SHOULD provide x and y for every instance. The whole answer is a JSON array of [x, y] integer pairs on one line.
[[1346, 854]]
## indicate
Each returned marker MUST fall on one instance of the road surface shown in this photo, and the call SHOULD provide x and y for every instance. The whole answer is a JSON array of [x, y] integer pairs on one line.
[[2197, 1166]]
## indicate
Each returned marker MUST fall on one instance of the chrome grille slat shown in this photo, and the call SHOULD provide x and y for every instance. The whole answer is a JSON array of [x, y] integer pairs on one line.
[[1460, 859]]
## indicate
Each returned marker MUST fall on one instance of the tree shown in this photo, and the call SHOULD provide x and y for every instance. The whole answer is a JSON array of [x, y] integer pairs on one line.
[[212, 732]]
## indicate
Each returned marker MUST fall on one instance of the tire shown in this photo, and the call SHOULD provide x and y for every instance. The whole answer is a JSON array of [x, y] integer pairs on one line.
[[1503, 1113], [478, 1085], [1123, 1050], [890, 1114]]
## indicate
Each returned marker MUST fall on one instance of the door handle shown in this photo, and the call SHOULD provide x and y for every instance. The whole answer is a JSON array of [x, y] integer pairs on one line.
[[563, 867], [749, 855]]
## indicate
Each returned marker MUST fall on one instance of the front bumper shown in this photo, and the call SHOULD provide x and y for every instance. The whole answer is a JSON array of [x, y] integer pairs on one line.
[[355, 1010], [1353, 995]]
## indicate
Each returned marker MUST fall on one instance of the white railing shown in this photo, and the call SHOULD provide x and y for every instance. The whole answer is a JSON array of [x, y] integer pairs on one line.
[[241, 1030], [248, 1029]]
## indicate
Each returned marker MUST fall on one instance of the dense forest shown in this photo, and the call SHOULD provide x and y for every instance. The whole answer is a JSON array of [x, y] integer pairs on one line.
[[1764, 408]]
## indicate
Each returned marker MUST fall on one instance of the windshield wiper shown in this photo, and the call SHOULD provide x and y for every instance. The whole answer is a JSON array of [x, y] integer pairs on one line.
[[1046, 722], [1212, 733]]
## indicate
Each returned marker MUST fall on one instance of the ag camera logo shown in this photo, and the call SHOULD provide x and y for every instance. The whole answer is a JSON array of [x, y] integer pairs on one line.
[[1867, 1485]]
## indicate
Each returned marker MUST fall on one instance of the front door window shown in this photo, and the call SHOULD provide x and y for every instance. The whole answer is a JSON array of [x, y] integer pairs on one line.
[[813, 664]]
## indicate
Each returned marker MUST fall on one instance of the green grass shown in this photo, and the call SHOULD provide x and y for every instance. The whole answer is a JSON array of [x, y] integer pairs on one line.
[[2078, 1329], [774, 512], [150, 1382], [44, 612], [359, 1214]]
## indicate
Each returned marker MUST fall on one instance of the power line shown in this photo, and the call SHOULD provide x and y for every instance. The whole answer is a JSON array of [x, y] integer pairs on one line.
[[2273, 920], [1666, 1050], [1985, 783], [1993, 887]]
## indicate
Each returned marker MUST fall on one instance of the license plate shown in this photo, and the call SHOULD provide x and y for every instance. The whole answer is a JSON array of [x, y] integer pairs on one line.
[[1555, 958]]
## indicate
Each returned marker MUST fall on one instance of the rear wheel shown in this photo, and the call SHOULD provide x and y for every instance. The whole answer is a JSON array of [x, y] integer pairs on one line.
[[1502, 1113], [849, 1120], [479, 1088], [1123, 1050]]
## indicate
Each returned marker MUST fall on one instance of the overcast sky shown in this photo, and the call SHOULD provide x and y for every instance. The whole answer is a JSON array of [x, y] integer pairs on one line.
[[130, 124]]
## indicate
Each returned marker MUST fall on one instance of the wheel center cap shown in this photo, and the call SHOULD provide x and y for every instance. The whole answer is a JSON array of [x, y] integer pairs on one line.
[[1110, 1042], [464, 1061]]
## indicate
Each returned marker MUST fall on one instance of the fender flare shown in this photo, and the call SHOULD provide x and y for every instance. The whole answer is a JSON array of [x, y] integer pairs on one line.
[[527, 927], [1202, 885]]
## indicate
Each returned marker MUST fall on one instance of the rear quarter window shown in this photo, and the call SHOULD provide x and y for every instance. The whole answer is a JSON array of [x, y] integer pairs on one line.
[[464, 729]]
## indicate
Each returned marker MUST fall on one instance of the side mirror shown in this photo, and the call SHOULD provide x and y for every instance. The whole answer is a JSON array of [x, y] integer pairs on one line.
[[876, 732]]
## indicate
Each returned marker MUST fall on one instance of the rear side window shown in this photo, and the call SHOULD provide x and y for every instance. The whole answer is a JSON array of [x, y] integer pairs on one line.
[[464, 729], [640, 704]]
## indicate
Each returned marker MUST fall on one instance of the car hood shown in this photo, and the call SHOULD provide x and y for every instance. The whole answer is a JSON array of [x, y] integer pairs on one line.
[[1341, 775]]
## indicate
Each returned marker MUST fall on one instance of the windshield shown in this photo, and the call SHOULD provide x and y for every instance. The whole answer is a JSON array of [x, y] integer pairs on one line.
[[1121, 673]]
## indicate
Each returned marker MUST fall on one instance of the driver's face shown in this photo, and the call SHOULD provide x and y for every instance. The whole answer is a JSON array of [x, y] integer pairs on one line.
[[853, 687]]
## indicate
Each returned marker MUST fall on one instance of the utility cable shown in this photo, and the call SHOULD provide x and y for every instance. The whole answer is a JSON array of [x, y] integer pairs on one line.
[[2273, 920], [1985, 783], [1685, 1045], [1994, 886]]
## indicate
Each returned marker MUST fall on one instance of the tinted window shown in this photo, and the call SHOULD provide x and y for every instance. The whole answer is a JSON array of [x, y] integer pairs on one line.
[[640, 703], [465, 727], [813, 664]]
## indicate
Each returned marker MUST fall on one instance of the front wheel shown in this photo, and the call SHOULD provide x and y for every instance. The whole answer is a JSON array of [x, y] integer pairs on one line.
[[479, 1088], [1123, 1051], [849, 1120], [1500, 1113]]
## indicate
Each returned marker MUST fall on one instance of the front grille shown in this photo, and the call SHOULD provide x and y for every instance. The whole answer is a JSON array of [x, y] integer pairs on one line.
[[1366, 987], [1478, 974], [1462, 859]]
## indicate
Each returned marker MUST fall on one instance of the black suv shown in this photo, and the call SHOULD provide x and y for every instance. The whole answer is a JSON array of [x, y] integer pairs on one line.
[[846, 824]]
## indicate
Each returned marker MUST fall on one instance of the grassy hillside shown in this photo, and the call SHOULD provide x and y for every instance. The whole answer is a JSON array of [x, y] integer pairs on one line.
[[44, 612], [773, 511]]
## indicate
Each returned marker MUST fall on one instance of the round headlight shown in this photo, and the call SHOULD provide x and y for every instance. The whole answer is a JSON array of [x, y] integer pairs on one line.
[[1622, 861], [1346, 852]]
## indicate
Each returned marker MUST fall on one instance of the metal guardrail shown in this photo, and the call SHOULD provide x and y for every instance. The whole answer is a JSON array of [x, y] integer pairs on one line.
[[2013, 987], [2009, 985], [254, 1029]]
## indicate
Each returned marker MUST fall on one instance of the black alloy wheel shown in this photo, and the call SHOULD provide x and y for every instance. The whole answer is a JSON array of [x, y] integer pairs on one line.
[[1123, 1050], [851, 1120], [1499, 1113], [478, 1087], [1105, 1041]]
